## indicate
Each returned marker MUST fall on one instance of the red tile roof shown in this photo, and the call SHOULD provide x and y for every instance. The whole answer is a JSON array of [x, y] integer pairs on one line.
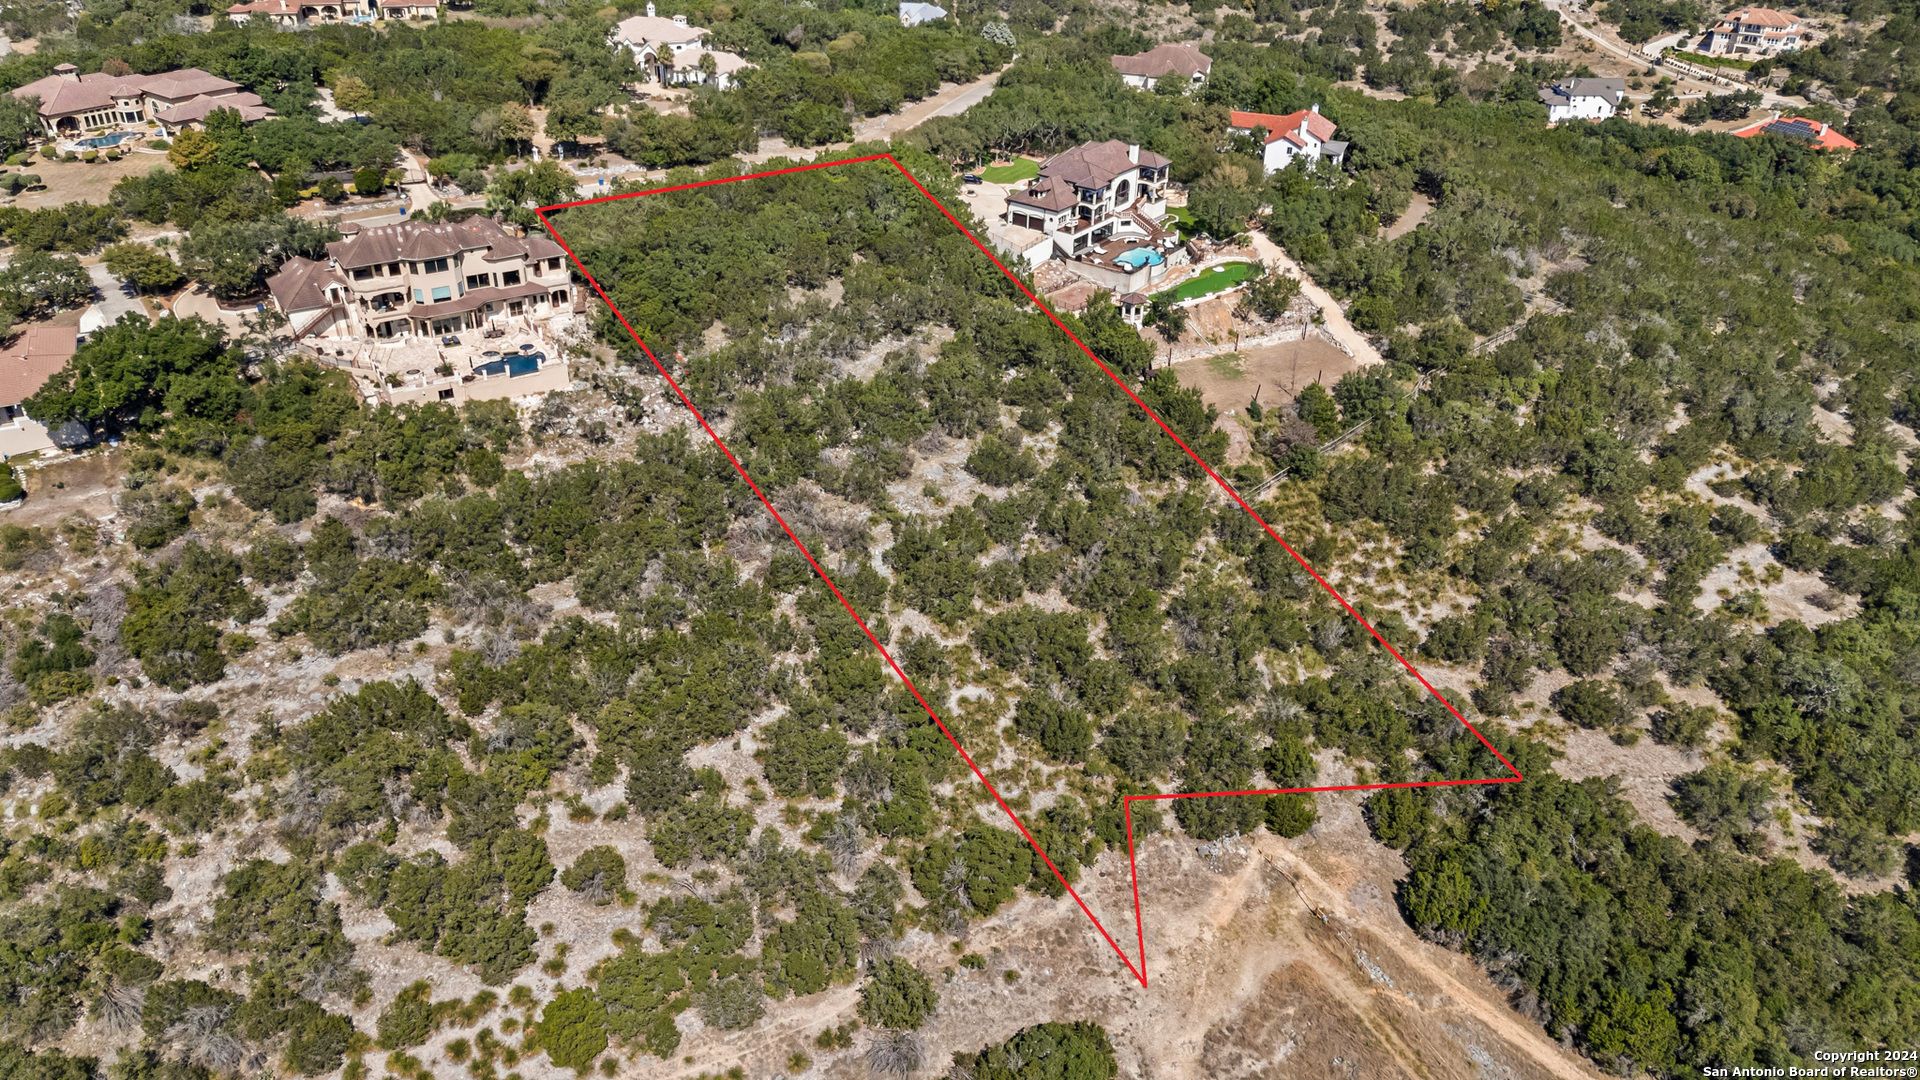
[[34, 357], [1285, 127], [1759, 16], [1812, 132]]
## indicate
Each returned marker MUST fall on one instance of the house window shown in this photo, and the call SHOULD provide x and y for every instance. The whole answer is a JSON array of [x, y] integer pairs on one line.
[[419, 297], [362, 273], [442, 292], [478, 281], [393, 269], [510, 277], [10, 415], [553, 263], [434, 266], [516, 307], [560, 296], [447, 394], [1022, 221]]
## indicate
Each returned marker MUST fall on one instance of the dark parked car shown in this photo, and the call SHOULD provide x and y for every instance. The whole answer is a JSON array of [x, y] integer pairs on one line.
[[972, 178]]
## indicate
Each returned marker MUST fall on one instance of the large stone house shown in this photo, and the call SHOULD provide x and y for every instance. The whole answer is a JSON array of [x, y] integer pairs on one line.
[[422, 279], [1583, 99], [1754, 31], [1297, 135], [72, 103], [1183, 64], [1101, 207], [299, 14]]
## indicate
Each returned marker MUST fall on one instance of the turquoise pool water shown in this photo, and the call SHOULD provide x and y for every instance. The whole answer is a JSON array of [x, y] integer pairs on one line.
[[521, 364], [1139, 257], [101, 142]]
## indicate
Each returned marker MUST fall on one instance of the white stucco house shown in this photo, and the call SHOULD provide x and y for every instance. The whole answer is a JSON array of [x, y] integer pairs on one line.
[[913, 14], [1296, 135], [648, 36], [1583, 99], [1755, 31], [687, 68]]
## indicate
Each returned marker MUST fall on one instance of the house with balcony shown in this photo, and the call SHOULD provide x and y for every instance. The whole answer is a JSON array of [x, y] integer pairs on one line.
[[423, 279], [72, 103], [419, 311], [1303, 135], [1102, 208], [1755, 32]]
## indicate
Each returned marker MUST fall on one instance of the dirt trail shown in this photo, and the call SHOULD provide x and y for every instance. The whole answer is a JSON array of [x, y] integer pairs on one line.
[[1337, 325], [1419, 956]]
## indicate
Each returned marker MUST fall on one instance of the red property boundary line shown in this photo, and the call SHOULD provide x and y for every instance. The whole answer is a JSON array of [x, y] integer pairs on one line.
[[1139, 971]]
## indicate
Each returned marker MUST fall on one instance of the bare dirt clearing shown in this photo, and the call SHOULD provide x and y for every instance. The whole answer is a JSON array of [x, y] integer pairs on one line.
[[1276, 371]]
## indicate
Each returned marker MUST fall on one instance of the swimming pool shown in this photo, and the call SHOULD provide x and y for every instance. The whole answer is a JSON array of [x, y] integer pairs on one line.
[[522, 364], [101, 142], [1139, 257]]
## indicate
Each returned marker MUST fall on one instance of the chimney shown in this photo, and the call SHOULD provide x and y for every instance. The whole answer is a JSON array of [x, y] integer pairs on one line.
[[1316, 107], [679, 20], [649, 9], [1133, 153], [67, 72]]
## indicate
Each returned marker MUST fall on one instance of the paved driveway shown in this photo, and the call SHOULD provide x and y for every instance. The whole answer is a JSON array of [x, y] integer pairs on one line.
[[116, 299]]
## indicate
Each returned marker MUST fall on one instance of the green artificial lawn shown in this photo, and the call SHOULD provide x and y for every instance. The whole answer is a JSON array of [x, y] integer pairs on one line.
[[1021, 169], [1210, 282]]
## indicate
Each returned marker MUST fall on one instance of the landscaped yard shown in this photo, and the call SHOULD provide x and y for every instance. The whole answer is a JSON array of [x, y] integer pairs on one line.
[[1211, 281], [1020, 169]]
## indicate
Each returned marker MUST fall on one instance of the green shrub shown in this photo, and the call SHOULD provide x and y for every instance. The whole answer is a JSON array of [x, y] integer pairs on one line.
[[898, 996], [573, 1030], [1291, 815]]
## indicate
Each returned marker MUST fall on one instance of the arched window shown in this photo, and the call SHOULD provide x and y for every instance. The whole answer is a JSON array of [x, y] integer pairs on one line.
[[1123, 193]]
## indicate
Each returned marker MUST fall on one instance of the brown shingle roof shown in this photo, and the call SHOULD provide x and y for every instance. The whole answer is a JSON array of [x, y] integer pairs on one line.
[[1097, 164], [249, 106], [34, 357], [422, 240], [1182, 60], [1046, 194], [300, 284]]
